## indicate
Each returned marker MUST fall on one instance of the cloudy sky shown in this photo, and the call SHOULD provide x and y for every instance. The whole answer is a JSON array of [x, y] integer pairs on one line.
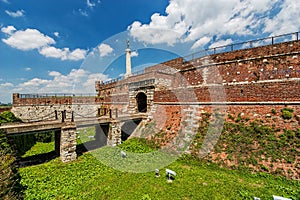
[[63, 46]]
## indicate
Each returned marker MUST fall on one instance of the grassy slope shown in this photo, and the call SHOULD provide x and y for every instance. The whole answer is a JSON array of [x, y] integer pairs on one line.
[[88, 178]]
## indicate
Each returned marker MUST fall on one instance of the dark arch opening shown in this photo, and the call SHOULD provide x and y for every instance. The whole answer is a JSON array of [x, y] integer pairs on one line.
[[141, 99]]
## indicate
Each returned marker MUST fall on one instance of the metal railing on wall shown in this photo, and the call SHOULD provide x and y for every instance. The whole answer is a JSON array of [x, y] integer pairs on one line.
[[122, 77], [230, 47], [244, 45], [114, 80]]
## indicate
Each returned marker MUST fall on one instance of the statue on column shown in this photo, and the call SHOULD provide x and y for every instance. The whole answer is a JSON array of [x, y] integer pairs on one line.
[[127, 42]]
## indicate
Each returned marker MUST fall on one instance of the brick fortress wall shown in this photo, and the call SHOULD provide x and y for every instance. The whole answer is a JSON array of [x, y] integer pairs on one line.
[[253, 83], [250, 82]]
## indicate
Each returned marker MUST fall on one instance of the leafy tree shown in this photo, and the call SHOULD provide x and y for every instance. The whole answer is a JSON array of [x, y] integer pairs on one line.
[[7, 116], [10, 187]]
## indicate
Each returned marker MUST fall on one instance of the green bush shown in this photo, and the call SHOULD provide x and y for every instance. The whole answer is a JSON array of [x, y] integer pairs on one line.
[[287, 113], [136, 145], [10, 187], [230, 116], [10, 180], [44, 137], [7, 116]]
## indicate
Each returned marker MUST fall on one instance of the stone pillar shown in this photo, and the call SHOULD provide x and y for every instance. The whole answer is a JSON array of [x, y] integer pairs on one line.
[[57, 142], [114, 134], [128, 61], [68, 142]]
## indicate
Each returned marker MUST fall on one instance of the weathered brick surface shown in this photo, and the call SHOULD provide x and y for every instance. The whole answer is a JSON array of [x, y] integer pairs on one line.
[[257, 75]]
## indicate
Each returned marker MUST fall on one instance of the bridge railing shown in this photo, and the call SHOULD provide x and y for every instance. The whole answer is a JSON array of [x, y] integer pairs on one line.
[[47, 95], [244, 45]]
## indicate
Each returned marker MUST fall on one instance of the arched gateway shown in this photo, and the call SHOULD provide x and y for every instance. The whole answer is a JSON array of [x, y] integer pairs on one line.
[[141, 101]]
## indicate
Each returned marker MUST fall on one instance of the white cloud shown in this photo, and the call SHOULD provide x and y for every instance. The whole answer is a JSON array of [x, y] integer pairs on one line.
[[63, 54], [90, 4], [76, 81], [8, 30], [35, 82], [26, 40], [77, 54], [201, 42], [90, 82], [31, 39], [104, 49], [134, 54], [27, 69], [18, 13], [83, 12], [54, 73], [6, 85], [287, 20], [221, 43], [56, 34], [54, 52], [155, 33], [204, 21]]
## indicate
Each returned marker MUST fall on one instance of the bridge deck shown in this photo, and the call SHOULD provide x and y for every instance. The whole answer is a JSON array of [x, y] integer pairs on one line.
[[21, 128]]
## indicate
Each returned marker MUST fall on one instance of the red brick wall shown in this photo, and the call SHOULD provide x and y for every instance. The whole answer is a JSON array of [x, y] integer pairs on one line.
[[5, 109]]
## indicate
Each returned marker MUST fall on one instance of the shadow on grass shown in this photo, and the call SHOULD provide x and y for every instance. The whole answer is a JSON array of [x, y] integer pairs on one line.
[[46, 157], [88, 146], [36, 159]]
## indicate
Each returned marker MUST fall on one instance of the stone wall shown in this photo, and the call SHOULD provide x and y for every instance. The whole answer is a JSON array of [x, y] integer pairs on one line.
[[31, 113]]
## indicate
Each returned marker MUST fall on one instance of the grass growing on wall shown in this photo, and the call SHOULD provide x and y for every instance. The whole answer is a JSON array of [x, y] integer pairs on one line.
[[253, 146]]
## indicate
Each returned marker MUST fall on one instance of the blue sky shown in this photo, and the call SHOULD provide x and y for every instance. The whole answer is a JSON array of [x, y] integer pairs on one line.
[[63, 46]]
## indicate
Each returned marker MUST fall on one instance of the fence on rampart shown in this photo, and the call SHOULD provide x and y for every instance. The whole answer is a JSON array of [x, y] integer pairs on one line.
[[289, 37]]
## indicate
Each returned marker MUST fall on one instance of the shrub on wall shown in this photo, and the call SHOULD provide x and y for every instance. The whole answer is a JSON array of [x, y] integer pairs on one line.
[[287, 113]]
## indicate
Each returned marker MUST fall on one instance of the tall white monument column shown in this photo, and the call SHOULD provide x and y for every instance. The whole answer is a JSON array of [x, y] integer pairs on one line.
[[128, 61]]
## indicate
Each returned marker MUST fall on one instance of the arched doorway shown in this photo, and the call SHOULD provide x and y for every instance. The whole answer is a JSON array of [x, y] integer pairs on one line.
[[141, 100]]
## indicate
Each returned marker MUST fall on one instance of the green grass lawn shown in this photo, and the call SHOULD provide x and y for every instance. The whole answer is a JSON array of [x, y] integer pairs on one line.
[[88, 178], [39, 148]]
